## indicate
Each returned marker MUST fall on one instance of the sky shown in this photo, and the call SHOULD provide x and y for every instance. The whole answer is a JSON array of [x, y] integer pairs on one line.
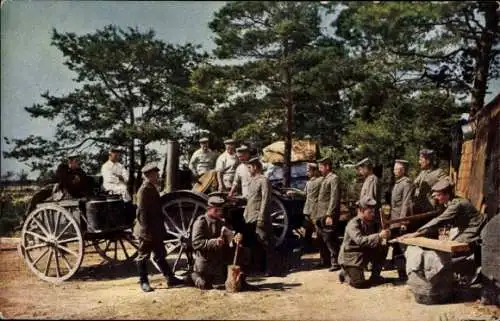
[[31, 66]]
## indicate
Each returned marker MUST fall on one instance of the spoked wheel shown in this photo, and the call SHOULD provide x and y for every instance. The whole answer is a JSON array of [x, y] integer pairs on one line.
[[279, 219], [51, 243], [117, 248], [180, 214]]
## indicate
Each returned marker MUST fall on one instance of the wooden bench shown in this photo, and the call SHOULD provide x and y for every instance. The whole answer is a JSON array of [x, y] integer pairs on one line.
[[438, 245]]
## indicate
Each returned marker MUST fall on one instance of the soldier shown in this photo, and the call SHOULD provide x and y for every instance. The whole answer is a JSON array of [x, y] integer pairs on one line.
[[72, 178], [203, 159], [226, 166], [115, 176], [311, 191], [328, 215], [362, 244], [401, 206], [210, 247], [371, 186], [428, 176], [150, 230], [242, 176], [257, 218], [459, 213]]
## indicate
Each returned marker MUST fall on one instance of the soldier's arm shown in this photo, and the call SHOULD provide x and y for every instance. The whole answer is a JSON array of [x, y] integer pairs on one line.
[[142, 210], [219, 167], [446, 217], [375, 190], [372, 240], [440, 174], [193, 162], [334, 195], [265, 190], [406, 208], [199, 240], [124, 173]]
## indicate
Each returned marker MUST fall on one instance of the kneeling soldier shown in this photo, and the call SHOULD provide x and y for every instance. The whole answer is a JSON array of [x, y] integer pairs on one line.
[[361, 245], [210, 247], [149, 229]]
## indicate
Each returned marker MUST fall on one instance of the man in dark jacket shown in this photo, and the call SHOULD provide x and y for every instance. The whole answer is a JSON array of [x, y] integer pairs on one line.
[[362, 244], [72, 179], [150, 230]]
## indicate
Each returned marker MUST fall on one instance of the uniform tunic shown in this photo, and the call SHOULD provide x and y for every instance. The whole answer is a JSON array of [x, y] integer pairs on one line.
[[329, 197], [149, 224], [458, 213], [259, 194], [201, 162], [371, 189], [226, 164], [110, 172], [311, 192], [242, 178], [401, 200], [423, 201], [208, 257]]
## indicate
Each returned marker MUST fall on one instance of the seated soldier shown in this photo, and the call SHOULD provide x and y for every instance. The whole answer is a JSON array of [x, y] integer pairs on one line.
[[72, 179], [361, 245], [115, 176], [211, 249]]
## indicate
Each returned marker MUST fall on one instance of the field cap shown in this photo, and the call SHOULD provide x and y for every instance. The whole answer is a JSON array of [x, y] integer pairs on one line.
[[150, 167], [73, 155], [241, 149], [229, 141], [427, 153], [254, 160], [203, 140], [216, 201], [364, 162], [325, 160]]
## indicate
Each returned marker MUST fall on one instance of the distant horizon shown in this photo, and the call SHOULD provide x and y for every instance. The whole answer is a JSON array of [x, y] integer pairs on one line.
[[31, 66]]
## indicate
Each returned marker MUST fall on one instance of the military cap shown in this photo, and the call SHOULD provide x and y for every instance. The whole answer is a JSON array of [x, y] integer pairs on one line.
[[115, 150], [325, 160], [427, 153], [402, 162], [441, 185], [365, 202], [364, 162], [73, 155], [313, 165], [241, 149], [203, 140], [229, 141], [150, 167], [216, 201], [254, 160]]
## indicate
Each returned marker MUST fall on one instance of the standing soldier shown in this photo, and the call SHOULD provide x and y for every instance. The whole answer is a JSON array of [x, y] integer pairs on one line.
[[401, 206], [211, 249], [203, 159], [226, 166], [428, 176], [371, 187], [242, 175], [149, 229], [362, 245], [328, 215], [311, 191], [257, 218]]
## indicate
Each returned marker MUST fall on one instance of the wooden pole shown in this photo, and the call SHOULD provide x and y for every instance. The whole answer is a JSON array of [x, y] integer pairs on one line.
[[171, 168]]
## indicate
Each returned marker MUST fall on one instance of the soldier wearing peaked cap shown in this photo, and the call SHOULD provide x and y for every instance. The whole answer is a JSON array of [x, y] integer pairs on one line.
[[211, 247], [203, 159], [428, 176], [371, 186], [328, 216], [401, 206], [150, 230], [115, 176], [458, 213], [73, 182], [241, 178], [362, 245], [225, 166]]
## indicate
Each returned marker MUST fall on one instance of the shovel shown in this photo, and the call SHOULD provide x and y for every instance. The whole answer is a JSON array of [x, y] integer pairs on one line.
[[233, 282]]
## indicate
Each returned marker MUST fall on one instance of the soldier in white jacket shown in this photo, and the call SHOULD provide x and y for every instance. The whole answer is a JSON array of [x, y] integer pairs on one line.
[[115, 175]]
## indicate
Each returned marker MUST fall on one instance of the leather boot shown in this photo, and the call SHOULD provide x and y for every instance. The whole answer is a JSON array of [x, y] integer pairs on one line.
[[170, 278], [142, 267]]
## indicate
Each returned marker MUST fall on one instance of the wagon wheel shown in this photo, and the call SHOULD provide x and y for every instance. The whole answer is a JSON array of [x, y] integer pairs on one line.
[[180, 214], [279, 219], [52, 244], [117, 248]]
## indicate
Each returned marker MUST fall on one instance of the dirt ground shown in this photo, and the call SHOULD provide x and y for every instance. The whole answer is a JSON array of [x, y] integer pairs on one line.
[[107, 292]]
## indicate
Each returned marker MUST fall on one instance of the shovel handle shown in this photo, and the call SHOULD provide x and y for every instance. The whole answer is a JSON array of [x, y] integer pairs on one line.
[[237, 250]]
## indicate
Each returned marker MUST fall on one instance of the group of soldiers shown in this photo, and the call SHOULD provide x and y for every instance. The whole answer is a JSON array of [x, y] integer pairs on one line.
[[346, 244]]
